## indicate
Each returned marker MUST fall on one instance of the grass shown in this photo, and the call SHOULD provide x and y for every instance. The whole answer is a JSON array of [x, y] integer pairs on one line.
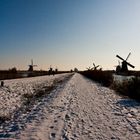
[[103, 77], [129, 88], [30, 98]]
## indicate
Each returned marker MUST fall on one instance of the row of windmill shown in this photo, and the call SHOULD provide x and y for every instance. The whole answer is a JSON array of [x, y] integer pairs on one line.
[[95, 67], [120, 68], [31, 67]]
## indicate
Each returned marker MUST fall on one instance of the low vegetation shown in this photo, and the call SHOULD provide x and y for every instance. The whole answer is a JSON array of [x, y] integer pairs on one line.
[[129, 88], [29, 99], [103, 77]]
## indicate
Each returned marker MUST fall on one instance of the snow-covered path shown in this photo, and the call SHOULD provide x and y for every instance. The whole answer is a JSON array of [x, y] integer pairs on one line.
[[83, 110]]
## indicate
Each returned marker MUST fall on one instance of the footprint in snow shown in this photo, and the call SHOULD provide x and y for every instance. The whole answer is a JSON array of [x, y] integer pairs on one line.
[[58, 116], [65, 137], [53, 135], [55, 121], [51, 127], [67, 117]]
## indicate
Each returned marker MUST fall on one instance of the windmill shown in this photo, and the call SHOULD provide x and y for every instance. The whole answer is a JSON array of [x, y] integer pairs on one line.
[[50, 70], [95, 67], [31, 66], [89, 68], [125, 64]]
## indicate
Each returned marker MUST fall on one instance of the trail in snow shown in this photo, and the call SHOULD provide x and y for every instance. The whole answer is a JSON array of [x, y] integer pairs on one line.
[[12, 93], [84, 110], [27, 112]]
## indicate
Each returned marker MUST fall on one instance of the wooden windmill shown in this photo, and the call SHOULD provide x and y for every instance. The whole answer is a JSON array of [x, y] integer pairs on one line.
[[95, 67], [89, 69], [31, 66], [125, 64]]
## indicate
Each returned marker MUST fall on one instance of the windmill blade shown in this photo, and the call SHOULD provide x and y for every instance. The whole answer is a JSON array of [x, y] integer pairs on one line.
[[88, 68], [130, 65], [97, 66], [119, 62], [128, 56], [32, 62], [120, 57]]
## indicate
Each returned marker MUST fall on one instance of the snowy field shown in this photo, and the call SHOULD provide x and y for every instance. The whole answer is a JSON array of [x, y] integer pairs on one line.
[[11, 95], [76, 109]]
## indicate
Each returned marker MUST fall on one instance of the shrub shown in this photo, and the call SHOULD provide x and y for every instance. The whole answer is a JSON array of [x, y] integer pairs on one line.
[[103, 77], [130, 88]]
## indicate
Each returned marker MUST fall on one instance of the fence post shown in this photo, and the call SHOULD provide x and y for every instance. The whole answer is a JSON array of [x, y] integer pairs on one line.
[[2, 83]]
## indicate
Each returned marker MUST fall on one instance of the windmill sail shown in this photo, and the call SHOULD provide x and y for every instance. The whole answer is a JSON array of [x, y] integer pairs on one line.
[[128, 56], [130, 65], [119, 57]]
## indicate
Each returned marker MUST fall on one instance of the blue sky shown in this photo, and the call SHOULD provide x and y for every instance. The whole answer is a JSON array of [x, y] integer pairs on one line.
[[68, 33]]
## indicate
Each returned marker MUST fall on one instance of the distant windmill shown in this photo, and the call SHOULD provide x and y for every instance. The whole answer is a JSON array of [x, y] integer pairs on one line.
[[50, 70], [31, 66], [95, 67], [56, 69], [89, 68], [125, 64]]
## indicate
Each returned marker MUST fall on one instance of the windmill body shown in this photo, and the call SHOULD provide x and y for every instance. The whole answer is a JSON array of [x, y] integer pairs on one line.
[[31, 66], [124, 67], [95, 67]]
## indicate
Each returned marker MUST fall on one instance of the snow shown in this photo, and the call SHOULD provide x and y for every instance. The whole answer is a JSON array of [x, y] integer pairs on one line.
[[120, 78], [76, 109], [12, 93]]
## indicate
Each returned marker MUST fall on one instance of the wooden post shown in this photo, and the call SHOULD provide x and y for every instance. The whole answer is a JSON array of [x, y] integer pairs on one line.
[[2, 83]]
